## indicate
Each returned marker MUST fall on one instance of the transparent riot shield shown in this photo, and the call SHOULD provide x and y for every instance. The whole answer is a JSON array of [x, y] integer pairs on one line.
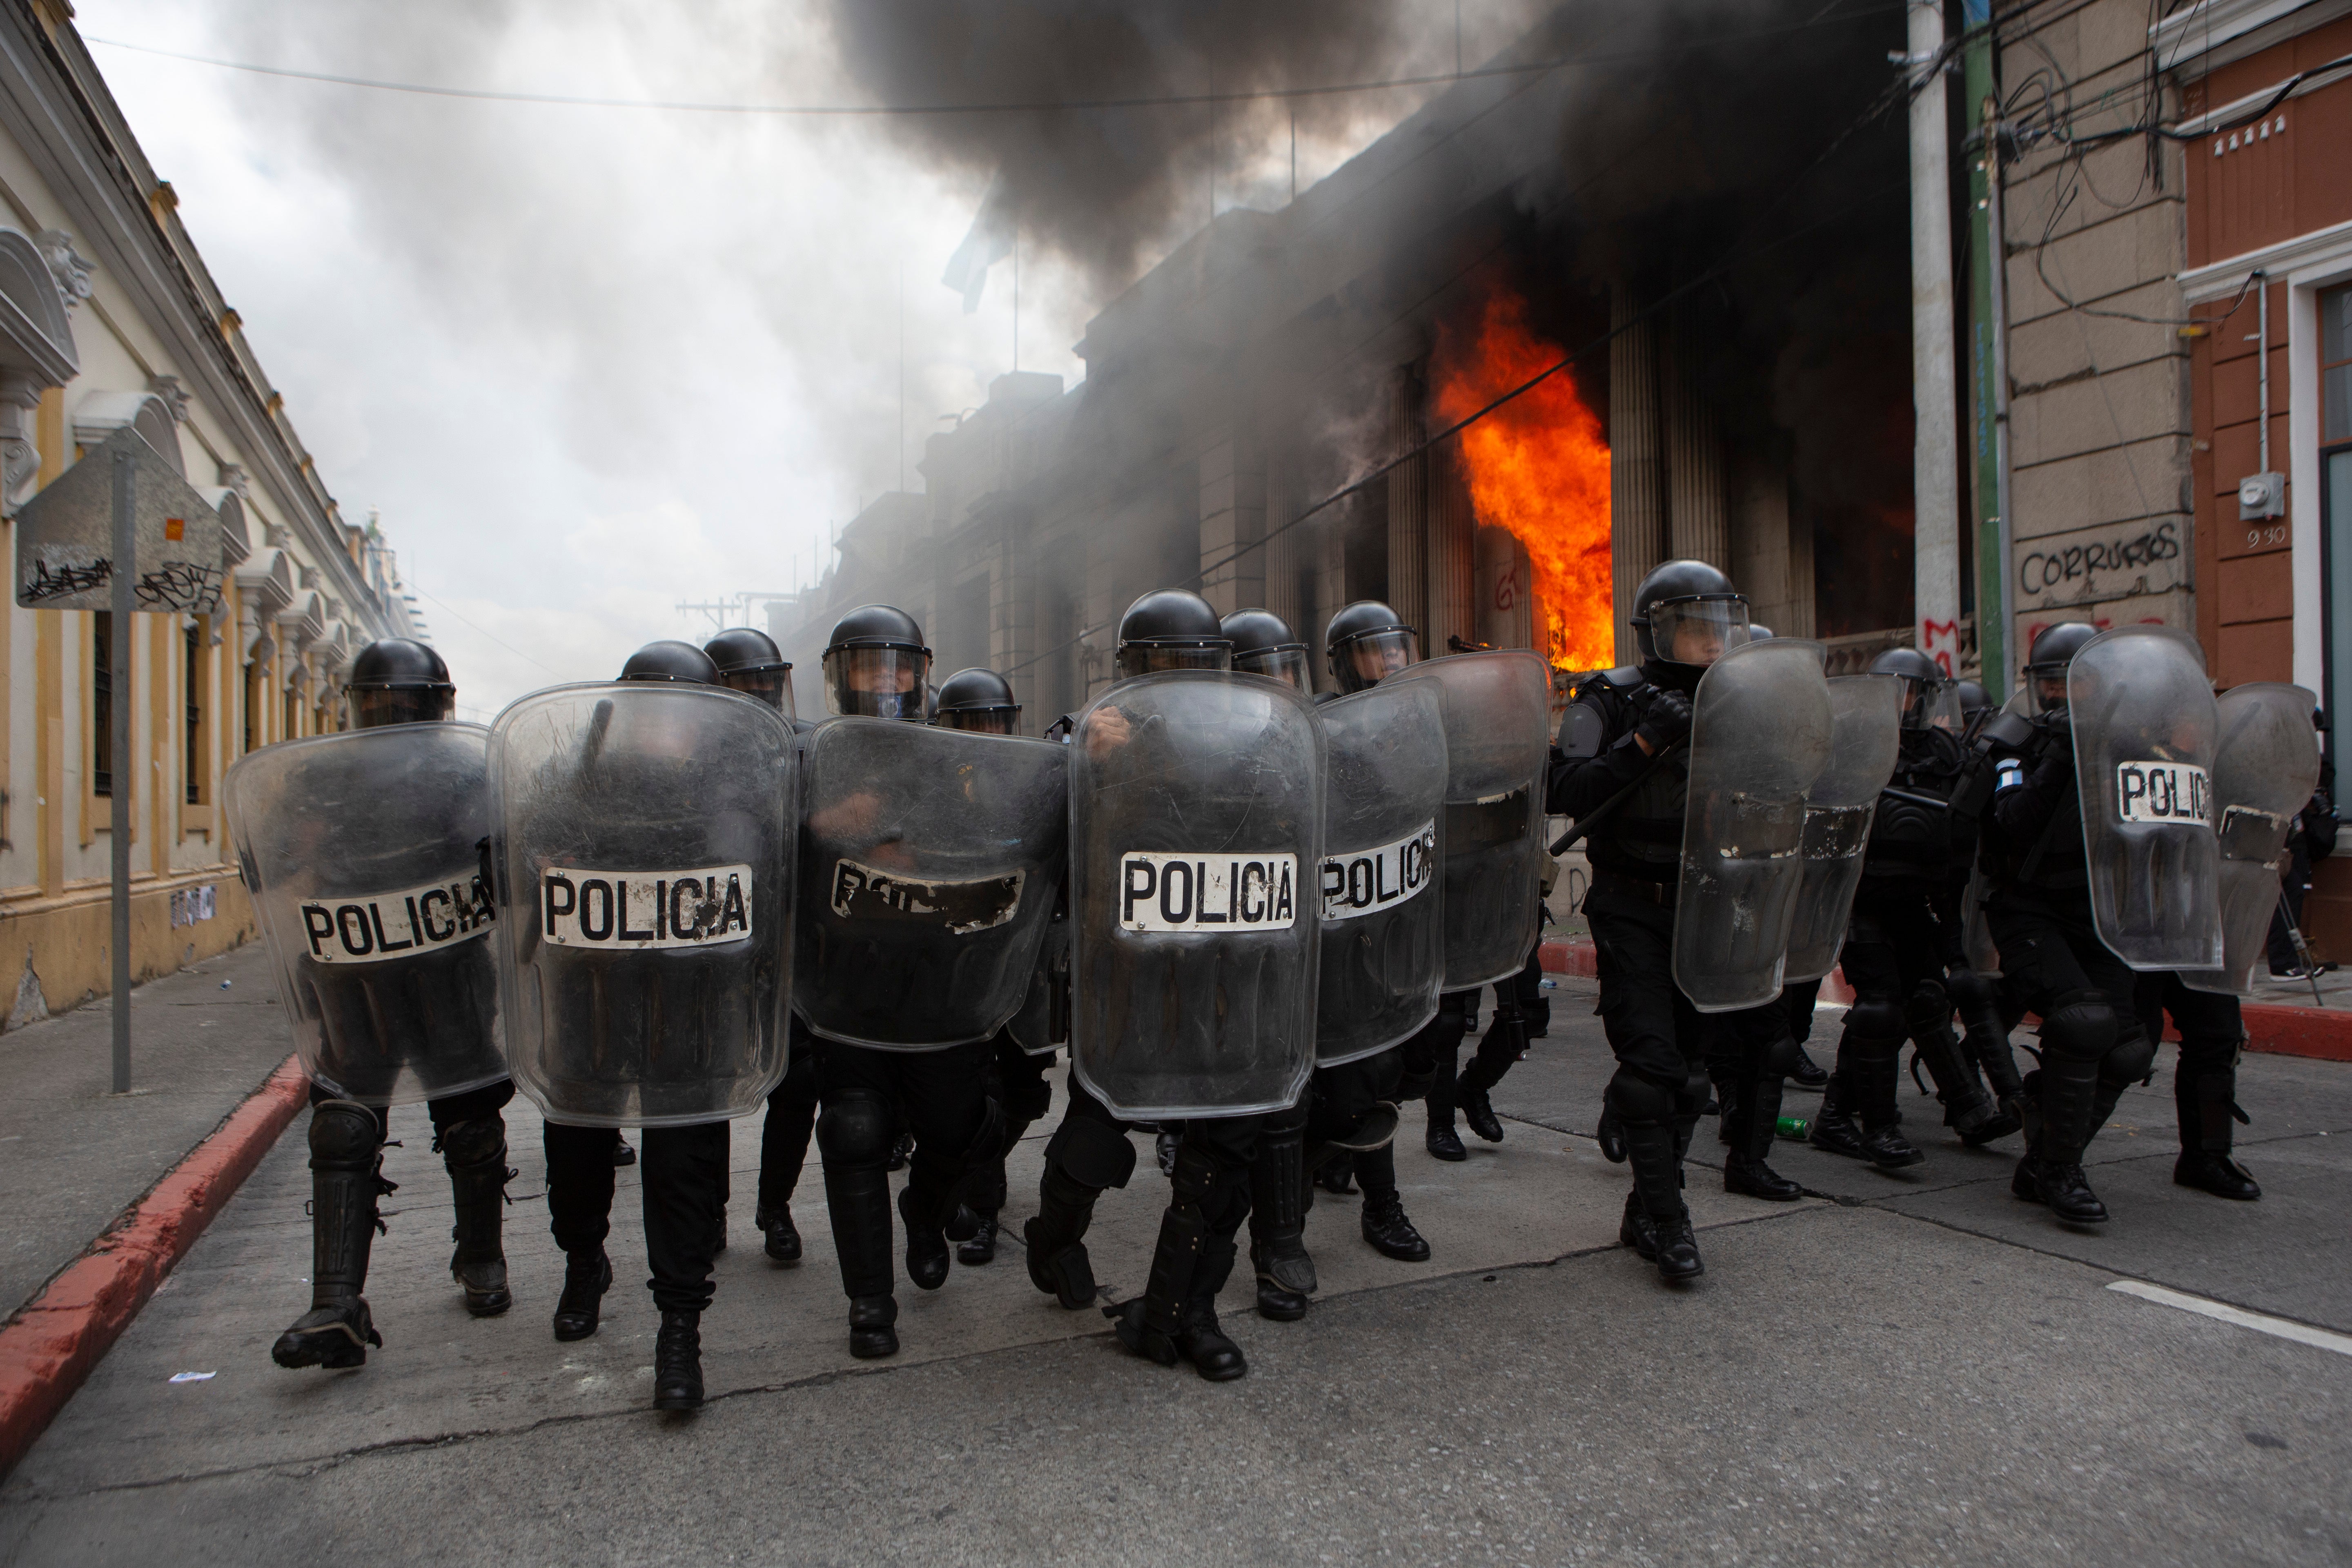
[[1760, 734], [361, 852], [1196, 823], [929, 861], [2145, 726], [1042, 1026], [1976, 931], [1498, 739], [644, 854], [1865, 727], [1383, 911], [2264, 768]]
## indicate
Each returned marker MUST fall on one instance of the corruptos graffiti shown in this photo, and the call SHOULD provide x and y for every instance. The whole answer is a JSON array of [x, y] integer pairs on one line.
[[2049, 572]]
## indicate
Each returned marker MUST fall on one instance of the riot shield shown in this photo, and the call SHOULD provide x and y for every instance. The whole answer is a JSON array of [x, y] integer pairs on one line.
[[361, 851], [2145, 724], [2264, 768], [1383, 918], [1976, 931], [1865, 727], [645, 853], [1196, 823], [928, 864], [1497, 729], [1042, 1026], [1760, 734]]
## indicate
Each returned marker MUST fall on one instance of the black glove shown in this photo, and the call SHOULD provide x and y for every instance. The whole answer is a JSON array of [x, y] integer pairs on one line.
[[1665, 721]]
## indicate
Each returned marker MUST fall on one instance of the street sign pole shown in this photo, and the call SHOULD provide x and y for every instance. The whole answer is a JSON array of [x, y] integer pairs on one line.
[[124, 568]]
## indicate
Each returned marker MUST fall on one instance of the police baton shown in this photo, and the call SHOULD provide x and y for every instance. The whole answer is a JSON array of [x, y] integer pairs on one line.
[[2302, 949], [1599, 814]]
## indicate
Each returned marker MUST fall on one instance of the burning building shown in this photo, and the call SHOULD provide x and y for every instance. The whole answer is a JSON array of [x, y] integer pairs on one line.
[[1639, 289]]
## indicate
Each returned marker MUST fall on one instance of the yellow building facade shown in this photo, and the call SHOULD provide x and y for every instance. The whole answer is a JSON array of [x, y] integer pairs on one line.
[[108, 318]]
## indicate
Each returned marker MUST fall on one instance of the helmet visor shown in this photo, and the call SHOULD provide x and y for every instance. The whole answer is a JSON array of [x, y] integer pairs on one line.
[[1361, 663], [375, 706], [1278, 663], [2045, 688], [980, 720], [1697, 631], [876, 683], [772, 687], [1150, 659]]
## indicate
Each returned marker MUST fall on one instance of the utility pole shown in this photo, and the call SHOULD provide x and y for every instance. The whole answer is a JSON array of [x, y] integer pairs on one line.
[[1988, 352], [1935, 395]]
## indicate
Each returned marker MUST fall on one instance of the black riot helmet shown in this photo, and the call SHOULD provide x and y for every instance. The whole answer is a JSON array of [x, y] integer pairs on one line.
[[2045, 666], [1974, 698], [750, 662], [671, 660], [977, 700], [1758, 632], [1923, 684], [1263, 644], [1171, 629], [397, 680], [1687, 615], [877, 666], [1365, 643]]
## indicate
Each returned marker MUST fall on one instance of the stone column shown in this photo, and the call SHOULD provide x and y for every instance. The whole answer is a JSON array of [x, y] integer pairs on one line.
[[1698, 522], [1637, 499]]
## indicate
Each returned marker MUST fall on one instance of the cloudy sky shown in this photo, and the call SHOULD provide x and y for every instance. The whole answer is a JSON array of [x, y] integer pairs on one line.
[[589, 362]]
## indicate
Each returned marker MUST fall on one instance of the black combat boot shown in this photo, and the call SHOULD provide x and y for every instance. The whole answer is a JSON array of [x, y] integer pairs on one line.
[[2052, 1172], [782, 1238], [1834, 1129], [678, 1361], [1056, 1240], [927, 1242], [345, 1183], [587, 1275], [1870, 1077], [1335, 1174], [857, 1198], [1651, 1147], [475, 1154], [1470, 1091], [1195, 1335], [984, 1198], [1277, 1220], [1442, 1140], [979, 1247], [1968, 1111], [873, 1333], [1987, 1041], [1389, 1232], [1808, 1073], [2207, 1103], [1751, 1119]]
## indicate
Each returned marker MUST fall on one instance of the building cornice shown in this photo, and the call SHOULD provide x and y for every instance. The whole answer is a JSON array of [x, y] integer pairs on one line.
[[86, 163], [2215, 32], [2222, 279]]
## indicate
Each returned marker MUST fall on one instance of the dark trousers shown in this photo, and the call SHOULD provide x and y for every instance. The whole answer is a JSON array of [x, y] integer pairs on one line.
[[1340, 1098], [1437, 1048], [2213, 1034], [791, 1121], [1229, 1142], [1653, 1029], [447, 1112], [683, 1173], [942, 1097], [2049, 948]]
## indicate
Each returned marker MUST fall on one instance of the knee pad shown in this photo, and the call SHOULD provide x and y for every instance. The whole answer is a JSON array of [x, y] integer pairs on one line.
[[1092, 1154], [1875, 1017], [343, 1136], [2081, 1026], [1779, 1057], [475, 1143], [1027, 1097], [1635, 1097], [1970, 993], [856, 1129], [2128, 1059], [1930, 1008]]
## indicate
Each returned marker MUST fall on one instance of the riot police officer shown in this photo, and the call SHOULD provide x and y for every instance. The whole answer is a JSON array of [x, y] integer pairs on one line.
[[1176, 1316], [1901, 938], [398, 681], [749, 662], [982, 702], [2204, 1083], [876, 666], [1628, 730], [2039, 909], [683, 1178]]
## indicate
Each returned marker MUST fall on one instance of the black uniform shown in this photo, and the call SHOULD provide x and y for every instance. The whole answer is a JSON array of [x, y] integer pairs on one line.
[[1662, 1043], [2205, 1083], [2093, 1042], [2312, 838], [1903, 938]]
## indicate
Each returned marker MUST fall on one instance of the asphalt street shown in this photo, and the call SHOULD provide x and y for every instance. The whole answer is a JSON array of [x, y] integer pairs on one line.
[[1898, 1369]]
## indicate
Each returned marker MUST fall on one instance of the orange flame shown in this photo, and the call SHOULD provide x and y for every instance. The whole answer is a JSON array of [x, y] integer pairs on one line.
[[1537, 466]]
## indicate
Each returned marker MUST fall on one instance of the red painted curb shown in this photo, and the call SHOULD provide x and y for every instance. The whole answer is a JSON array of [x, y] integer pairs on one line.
[[50, 1346], [1576, 956]]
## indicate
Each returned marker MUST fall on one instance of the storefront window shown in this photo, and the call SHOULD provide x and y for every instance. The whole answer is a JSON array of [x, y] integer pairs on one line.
[[2336, 365], [2336, 504]]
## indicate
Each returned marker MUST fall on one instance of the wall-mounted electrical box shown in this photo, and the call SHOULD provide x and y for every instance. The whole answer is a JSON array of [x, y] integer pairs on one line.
[[2261, 495]]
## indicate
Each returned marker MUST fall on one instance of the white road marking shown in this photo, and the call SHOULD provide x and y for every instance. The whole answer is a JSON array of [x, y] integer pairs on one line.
[[2263, 1324]]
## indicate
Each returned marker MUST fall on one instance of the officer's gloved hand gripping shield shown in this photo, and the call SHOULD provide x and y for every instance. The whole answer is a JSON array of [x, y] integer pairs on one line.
[[1865, 728], [928, 870], [1380, 896], [645, 858], [361, 853], [2264, 768], [1196, 826], [1497, 742], [1761, 733], [2145, 726]]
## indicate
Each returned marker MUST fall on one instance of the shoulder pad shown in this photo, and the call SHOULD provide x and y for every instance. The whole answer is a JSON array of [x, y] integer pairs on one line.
[[2006, 729], [1624, 675], [1583, 731]]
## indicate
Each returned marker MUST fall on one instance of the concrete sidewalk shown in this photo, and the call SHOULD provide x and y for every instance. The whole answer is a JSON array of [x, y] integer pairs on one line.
[[73, 1155]]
